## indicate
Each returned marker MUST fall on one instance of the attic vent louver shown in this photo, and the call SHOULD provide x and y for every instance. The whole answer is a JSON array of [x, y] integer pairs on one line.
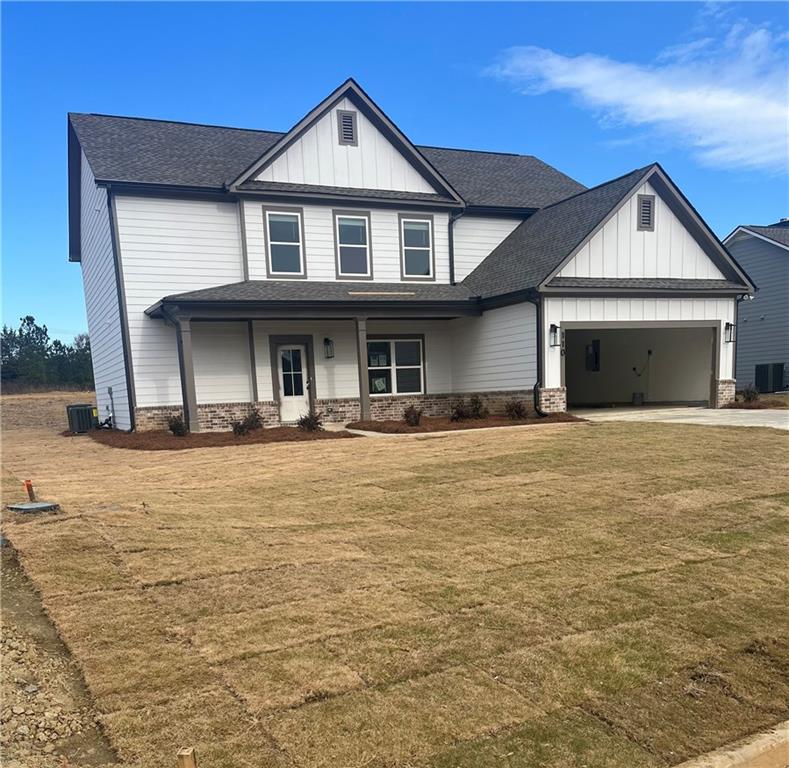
[[646, 213], [346, 127]]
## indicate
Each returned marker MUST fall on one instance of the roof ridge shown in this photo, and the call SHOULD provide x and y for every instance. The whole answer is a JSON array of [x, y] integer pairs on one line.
[[174, 122], [598, 186]]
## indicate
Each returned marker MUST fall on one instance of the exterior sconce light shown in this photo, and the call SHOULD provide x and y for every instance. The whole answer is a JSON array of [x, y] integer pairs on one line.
[[730, 332], [328, 348], [553, 336]]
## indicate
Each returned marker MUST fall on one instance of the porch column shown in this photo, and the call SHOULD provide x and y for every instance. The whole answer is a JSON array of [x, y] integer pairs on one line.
[[183, 333], [364, 391]]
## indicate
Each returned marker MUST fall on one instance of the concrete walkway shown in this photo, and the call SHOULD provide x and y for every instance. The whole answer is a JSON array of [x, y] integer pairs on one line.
[[723, 417]]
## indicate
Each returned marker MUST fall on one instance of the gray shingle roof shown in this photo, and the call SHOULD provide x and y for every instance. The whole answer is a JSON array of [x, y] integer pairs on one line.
[[145, 151], [278, 186], [778, 232], [645, 283], [538, 245]]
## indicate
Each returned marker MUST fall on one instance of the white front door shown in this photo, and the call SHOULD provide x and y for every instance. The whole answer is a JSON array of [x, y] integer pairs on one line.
[[294, 397]]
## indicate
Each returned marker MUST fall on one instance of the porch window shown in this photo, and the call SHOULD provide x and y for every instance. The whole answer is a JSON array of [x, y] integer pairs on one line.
[[416, 240], [284, 243], [395, 366], [353, 245]]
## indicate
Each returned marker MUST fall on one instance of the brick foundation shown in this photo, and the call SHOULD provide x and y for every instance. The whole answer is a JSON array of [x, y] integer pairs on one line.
[[212, 417], [723, 393], [392, 406], [339, 410], [552, 400]]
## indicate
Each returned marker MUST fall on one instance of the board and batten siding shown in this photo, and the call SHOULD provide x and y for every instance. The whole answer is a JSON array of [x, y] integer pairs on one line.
[[619, 249], [763, 323], [317, 157], [170, 246], [475, 237], [635, 310], [101, 301], [496, 351], [319, 236]]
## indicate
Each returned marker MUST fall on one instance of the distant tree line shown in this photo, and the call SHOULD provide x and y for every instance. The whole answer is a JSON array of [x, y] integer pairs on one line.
[[30, 360]]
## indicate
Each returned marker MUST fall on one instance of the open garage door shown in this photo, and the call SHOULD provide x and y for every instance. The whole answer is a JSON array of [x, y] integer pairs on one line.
[[618, 366]]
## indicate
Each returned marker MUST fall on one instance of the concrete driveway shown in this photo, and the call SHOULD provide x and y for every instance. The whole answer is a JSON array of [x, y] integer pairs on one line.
[[723, 417]]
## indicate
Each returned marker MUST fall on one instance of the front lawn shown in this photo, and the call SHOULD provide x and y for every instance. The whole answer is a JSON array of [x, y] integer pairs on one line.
[[445, 424], [611, 596]]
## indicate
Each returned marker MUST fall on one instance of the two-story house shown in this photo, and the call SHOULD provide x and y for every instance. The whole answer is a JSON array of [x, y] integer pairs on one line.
[[763, 324], [342, 266]]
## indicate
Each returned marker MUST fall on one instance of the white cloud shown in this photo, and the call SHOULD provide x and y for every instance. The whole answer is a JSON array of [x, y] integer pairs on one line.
[[725, 96]]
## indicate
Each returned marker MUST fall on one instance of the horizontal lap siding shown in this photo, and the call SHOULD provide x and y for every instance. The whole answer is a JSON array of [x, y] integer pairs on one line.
[[222, 362], [101, 301], [170, 246], [474, 239], [497, 351], [619, 249], [319, 243], [763, 324]]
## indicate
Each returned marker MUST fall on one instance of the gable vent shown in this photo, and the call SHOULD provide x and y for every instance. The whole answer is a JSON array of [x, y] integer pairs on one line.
[[646, 213], [346, 127]]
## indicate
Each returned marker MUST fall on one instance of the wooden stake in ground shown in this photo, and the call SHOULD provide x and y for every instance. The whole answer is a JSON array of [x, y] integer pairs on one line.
[[31, 494], [187, 758]]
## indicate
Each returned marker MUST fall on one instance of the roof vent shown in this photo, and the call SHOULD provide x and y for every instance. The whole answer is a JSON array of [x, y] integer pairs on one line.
[[346, 127], [646, 213]]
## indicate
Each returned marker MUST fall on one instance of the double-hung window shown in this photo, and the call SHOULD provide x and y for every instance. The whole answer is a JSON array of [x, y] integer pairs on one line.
[[416, 246], [394, 366], [285, 246], [352, 242]]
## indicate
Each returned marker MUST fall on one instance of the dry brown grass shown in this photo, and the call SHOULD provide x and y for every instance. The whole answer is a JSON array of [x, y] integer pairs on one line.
[[609, 595]]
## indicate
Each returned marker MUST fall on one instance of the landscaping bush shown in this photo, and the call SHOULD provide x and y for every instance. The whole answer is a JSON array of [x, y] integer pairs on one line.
[[177, 425], [474, 409], [311, 422], [750, 394], [412, 416], [253, 420], [516, 409]]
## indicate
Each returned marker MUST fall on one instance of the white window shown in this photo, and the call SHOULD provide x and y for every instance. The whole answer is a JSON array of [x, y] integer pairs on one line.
[[394, 367], [352, 232], [416, 242], [285, 247]]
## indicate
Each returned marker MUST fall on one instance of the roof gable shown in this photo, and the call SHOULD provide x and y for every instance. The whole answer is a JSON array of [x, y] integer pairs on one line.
[[776, 234], [311, 154]]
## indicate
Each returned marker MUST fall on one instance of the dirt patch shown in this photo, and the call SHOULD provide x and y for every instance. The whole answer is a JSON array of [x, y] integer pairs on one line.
[[443, 424], [161, 440]]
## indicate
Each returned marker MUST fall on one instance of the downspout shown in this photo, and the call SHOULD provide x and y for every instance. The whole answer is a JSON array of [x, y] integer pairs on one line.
[[538, 383], [453, 217]]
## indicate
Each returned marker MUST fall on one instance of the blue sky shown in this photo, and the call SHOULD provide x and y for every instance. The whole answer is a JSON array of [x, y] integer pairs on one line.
[[595, 89]]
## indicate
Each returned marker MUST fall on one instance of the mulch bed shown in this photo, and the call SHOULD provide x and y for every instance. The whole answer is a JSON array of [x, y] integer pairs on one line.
[[160, 440], [443, 423]]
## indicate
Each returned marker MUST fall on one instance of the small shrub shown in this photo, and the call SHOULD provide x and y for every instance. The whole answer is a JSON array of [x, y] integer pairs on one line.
[[253, 420], [177, 425], [474, 409], [311, 422], [412, 416], [750, 394], [516, 409]]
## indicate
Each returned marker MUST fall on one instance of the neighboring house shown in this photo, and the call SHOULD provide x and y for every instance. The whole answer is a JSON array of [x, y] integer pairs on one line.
[[763, 324], [341, 266]]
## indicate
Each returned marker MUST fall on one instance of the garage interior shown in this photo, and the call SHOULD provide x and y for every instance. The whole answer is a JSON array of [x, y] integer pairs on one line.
[[638, 366]]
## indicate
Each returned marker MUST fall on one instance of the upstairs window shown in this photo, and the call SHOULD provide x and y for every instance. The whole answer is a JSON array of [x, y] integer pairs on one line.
[[285, 246], [346, 127], [352, 242], [394, 366], [416, 241], [646, 213]]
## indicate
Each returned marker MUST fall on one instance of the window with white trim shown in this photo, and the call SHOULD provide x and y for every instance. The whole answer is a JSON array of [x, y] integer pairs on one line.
[[394, 367], [353, 245], [416, 241], [285, 249]]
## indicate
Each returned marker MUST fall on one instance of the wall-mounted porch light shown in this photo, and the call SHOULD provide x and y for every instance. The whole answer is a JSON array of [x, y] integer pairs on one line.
[[328, 348], [553, 336], [729, 332]]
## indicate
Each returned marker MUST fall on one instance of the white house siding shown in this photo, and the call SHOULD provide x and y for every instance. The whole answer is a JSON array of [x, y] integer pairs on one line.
[[762, 324], [317, 157], [636, 310], [619, 249], [170, 246], [222, 362], [475, 237], [497, 351], [101, 301], [319, 243]]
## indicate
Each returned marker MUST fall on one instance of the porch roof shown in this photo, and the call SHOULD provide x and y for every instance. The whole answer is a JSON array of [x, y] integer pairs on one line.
[[661, 284]]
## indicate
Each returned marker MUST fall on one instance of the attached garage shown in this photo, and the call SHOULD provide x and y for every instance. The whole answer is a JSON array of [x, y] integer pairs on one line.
[[639, 364]]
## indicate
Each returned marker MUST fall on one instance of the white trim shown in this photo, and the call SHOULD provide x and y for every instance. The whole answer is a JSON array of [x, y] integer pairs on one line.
[[339, 245], [393, 367], [429, 249], [270, 242], [757, 235]]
